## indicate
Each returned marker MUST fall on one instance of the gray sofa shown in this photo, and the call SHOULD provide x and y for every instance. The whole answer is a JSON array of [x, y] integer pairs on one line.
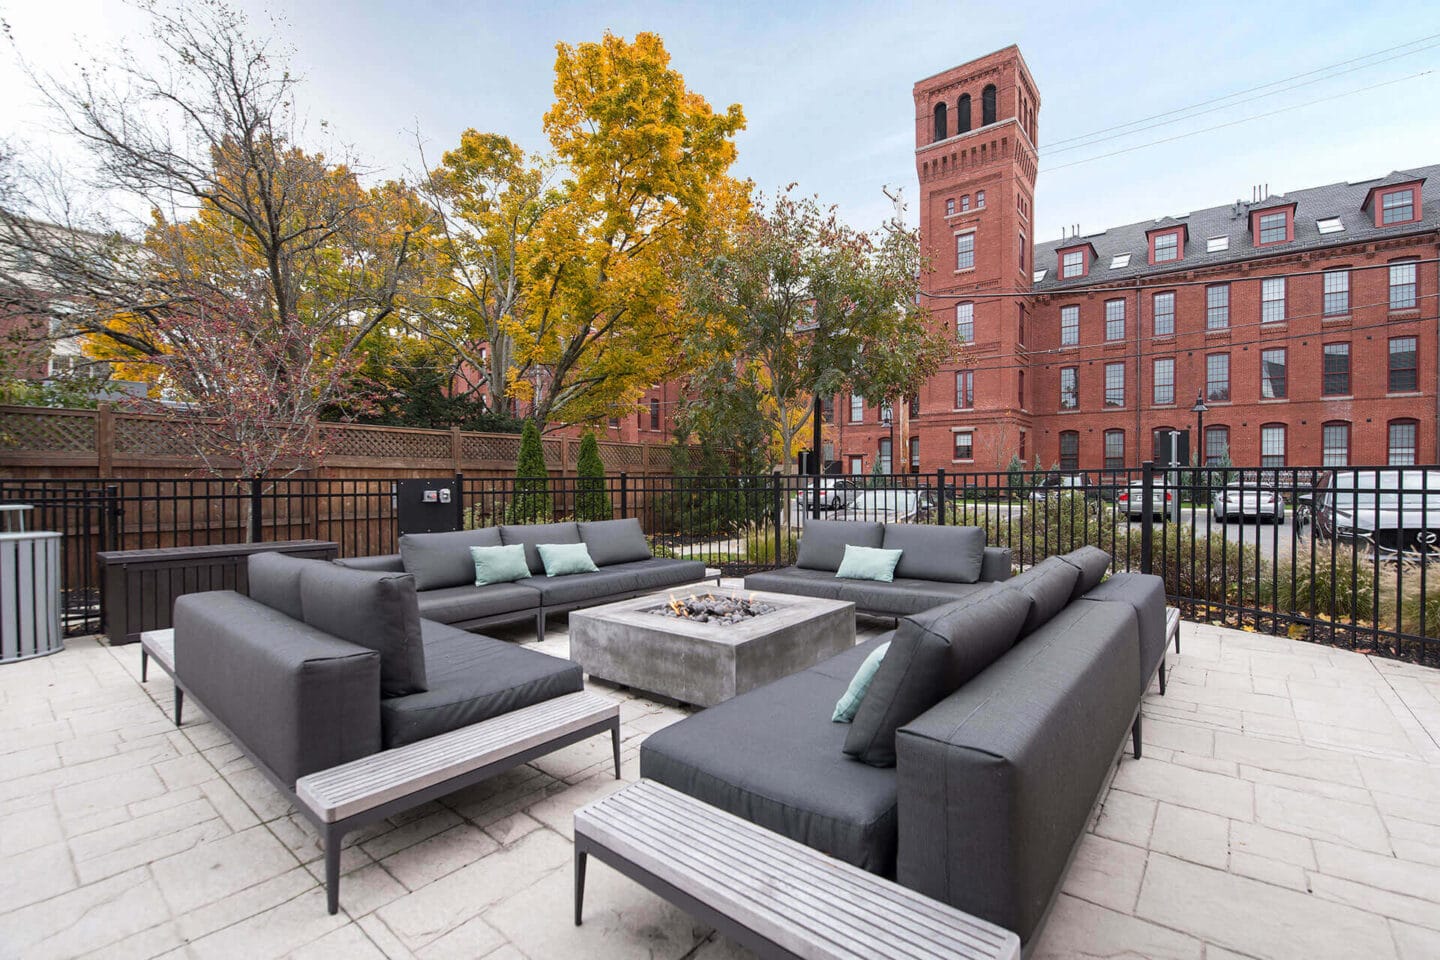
[[938, 565], [975, 758], [321, 665], [445, 574]]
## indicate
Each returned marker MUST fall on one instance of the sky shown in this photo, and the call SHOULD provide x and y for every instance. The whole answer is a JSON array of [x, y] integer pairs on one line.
[[827, 87]]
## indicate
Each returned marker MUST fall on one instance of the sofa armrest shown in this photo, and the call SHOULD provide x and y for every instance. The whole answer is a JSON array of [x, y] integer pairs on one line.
[[995, 783], [298, 699], [996, 564], [385, 563]]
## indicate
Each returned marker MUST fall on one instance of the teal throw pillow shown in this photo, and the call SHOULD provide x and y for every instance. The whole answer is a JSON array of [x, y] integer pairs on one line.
[[499, 564], [563, 559], [868, 563], [846, 706]]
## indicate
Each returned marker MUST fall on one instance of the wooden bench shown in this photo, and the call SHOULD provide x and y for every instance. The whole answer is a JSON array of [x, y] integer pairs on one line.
[[159, 645], [776, 897], [351, 795]]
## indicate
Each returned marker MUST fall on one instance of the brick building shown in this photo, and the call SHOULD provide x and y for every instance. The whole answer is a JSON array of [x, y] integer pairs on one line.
[[1307, 321]]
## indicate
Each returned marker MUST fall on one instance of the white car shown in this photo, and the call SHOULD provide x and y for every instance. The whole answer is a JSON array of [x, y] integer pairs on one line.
[[1397, 510], [1241, 501], [835, 492]]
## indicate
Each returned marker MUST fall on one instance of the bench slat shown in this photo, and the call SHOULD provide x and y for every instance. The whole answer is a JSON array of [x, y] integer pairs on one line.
[[810, 904], [350, 788]]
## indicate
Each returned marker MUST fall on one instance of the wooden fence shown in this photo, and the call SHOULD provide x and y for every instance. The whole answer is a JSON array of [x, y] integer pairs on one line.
[[44, 442]]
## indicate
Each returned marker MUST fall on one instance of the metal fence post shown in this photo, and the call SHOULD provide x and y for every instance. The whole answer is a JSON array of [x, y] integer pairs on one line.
[[255, 531], [624, 506], [1147, 515], [940, 495], [778, 508], [459, 500]]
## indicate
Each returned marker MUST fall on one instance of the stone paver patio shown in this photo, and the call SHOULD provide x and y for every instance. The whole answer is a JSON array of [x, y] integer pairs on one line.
[[1288, 805]]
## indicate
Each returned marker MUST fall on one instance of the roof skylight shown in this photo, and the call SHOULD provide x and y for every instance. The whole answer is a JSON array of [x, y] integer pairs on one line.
[[1120, 260], [1330, 225], [1217, 244], [1040, 275]]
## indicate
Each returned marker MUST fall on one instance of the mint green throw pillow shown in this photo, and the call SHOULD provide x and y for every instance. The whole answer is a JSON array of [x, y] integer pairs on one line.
[[563, 559], [868, 563], [499, 564], [846, 706]]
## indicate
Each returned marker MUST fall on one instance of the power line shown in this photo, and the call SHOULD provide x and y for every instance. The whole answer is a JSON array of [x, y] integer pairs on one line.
[[1049, 147], [1232, 123]]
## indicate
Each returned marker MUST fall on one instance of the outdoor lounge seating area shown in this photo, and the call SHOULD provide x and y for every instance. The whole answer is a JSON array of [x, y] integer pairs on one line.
[[382, 784]]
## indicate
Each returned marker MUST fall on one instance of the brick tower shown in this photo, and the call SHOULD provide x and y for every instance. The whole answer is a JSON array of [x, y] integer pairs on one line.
[[975, 133]]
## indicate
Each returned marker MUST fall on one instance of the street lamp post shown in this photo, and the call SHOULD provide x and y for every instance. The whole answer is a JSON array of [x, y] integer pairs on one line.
[[1199, 410]]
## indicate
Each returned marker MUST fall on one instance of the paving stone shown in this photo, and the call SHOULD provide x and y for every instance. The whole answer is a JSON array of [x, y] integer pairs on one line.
[[1077, 929], [1261, 841], [1260, 918], [1402, 778], [1321, 818], [1296, 759], [473, 938], [278, 932], [86, 919], [37, 875], [1126, 817], [411, 833], [349, 942], [509, 829], [1384, 903], [1270, 871], [1383, 872], [434, 857], [1415, 943], [1226, 796], [1106, 872], [221, 868], [1192, 835]]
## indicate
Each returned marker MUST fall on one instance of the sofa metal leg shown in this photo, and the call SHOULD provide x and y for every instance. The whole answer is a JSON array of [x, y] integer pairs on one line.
[[539, 624], [1135, 737], [144, 665], [332, 869], [615, 742], [1162, 676], [580, 857], [179, 703]]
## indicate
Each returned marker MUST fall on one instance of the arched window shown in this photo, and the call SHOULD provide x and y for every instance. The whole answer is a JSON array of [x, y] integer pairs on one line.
[[1403, 446], [940, 123], [965, 203], [1217, 445], [979, 199], [987, 105], [962, 114]]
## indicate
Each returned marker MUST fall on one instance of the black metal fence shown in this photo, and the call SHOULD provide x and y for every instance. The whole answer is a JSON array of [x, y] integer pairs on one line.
[[1336, 555]]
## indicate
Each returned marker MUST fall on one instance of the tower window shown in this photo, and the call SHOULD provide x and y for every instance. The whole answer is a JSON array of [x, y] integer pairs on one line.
[[949, 208], [965, 251], [964, 203], [987, 105], [940, 122], [962, 114], [979, 199]]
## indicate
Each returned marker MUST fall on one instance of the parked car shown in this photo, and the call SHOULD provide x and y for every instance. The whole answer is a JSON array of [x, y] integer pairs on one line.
[[1130, 500], [835, 492], [1396, 510], [1241, 501]]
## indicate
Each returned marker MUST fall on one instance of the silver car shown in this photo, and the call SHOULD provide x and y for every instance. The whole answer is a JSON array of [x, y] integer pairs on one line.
[[1239, 501], [1396, 510], [1130, 500]]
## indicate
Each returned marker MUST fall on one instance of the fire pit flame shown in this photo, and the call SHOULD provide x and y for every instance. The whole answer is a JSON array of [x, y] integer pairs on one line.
[[712, 609]]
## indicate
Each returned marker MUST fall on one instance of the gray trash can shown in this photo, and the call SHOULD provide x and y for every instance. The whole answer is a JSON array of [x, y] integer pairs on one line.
[[29, 595]]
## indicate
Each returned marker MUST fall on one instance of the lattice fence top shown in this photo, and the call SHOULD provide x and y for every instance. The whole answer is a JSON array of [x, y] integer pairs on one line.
[[383, 444], [50, 431], [618, 456], [554, 452], [485, 446], [147, 437]]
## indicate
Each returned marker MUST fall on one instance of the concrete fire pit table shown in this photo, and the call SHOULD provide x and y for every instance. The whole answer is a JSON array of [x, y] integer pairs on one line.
[[707, 663]]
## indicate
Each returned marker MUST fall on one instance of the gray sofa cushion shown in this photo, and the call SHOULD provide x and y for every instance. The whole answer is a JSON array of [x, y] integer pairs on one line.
[[614, 541], [660, 572], [473, 678], [458, 604], [1048, 586], [931, 655], [822, 542], [1145, 593], [275, 581], [374, 610], [533, 533], [805, 788], [804, 583], [438, 560], [586, 587], [997, 780], [389, 562], [947, 554], [997, 564], [298, 698], [1093, 563]]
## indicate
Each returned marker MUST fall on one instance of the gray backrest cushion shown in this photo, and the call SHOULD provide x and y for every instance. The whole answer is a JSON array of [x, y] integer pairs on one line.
[[822, 542], [1093, 563], [932, 654], [388, 562], [275, 581], [948, 554], [439, 560], [614, 541], [1048, 586], [374, 610], [529, 534]]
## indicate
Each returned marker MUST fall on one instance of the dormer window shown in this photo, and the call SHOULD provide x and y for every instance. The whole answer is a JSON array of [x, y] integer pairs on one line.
[[1272, 225], [1072, 264], [1397, 206], [1167, 243]]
